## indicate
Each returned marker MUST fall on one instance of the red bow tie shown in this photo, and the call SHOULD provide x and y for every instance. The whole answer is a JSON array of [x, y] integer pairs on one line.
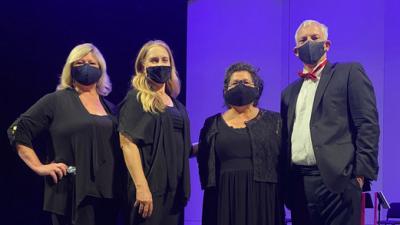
[[312, 75]]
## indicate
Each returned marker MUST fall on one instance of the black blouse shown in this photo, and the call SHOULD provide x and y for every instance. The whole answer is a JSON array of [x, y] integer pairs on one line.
[[154, 136], [232, 143], [177, 124], [76, 138]]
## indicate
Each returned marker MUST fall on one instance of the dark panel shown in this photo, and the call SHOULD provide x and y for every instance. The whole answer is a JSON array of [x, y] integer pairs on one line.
[[36, 37]]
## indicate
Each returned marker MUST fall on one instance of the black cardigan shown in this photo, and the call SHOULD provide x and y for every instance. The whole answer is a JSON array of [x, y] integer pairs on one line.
[[152, 133], [265, 136]]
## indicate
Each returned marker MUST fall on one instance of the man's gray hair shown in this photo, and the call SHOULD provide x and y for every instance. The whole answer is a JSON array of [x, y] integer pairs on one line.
[[323, 27]]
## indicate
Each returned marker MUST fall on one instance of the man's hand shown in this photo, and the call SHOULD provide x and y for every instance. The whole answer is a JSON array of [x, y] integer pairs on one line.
[[360, 180]]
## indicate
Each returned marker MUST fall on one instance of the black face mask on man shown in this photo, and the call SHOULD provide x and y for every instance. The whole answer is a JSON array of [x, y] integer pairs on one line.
[[85, 74], [159, 74], [311, 52], [241, 95]]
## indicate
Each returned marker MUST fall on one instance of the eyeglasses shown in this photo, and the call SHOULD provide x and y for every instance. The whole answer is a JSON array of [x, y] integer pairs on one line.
[[244, 82]]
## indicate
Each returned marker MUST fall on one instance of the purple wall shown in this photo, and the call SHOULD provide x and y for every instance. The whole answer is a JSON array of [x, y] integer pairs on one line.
[[262, 33], [219, 34], [391, 109]]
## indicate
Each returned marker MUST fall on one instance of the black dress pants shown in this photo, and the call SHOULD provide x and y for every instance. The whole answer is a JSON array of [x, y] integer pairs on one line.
[[313, 204]]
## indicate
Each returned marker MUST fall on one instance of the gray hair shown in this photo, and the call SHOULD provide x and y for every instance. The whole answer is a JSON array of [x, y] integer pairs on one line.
[[305, 23]]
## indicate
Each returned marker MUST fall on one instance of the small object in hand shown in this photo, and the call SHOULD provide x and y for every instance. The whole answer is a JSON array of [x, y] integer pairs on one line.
[[71, 170]]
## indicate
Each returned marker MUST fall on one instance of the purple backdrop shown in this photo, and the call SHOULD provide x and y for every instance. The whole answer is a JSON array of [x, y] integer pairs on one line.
[[262, 33], [391, 108], [219, 34]]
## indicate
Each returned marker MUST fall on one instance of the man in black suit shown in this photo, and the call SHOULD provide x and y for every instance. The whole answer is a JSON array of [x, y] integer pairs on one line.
[[330, 134]]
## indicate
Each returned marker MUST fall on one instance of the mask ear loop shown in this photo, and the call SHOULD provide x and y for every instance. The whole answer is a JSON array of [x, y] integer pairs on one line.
[[225, 87], [327, 45], [296, 51]]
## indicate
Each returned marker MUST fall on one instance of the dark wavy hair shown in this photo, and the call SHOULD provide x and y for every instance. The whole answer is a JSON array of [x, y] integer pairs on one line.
[[241, 66]]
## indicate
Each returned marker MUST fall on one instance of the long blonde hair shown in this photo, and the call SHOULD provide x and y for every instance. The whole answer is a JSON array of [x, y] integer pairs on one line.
[[149, 99], [103, 86]]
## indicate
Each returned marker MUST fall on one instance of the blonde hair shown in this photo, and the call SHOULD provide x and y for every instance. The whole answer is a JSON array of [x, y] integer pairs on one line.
[[149, 99], [103, 86], [305, 23]]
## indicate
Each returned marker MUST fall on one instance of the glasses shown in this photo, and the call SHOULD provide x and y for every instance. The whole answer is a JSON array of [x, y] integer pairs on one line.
[[244, 82]]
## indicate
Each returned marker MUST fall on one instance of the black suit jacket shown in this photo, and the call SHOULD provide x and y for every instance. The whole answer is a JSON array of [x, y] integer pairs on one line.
[[344, 124]]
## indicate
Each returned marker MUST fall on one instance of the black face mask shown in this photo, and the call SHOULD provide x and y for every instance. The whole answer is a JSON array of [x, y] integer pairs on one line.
[[159, 74], [85, 74], [311, 52], [241, 95]]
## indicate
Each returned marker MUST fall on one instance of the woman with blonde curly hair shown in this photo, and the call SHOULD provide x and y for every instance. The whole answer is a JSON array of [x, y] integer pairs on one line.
[[155, 139], [83, 168]]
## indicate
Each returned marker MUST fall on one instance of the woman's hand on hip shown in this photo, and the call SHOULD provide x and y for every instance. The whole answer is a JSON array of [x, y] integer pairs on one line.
[[55, 170]]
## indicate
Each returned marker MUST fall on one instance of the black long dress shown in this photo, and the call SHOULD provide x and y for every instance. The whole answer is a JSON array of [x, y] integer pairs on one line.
[[241, 199]]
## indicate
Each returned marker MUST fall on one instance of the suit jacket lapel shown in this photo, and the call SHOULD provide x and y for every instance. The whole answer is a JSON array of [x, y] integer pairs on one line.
[[323, 83], [292, 104]]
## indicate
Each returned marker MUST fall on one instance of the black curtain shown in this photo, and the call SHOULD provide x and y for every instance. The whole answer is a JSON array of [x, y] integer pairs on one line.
[[36, 37]]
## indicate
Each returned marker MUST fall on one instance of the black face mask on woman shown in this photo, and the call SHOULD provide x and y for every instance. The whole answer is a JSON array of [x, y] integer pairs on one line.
[[85, 74], [311, 52], [159, 74], [241, 95]]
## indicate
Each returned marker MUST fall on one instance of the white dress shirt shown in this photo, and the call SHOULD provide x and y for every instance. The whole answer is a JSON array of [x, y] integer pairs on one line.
[[302, 146]]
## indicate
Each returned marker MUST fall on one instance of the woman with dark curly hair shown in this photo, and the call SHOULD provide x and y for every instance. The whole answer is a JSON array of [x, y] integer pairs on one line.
[[238, 156]]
